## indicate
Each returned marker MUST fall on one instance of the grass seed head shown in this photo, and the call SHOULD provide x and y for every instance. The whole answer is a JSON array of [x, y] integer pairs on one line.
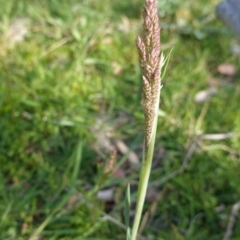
[[149, 56]]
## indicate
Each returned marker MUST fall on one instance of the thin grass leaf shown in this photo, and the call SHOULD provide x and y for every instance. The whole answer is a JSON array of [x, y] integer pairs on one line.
[[165, 63], [77, 161], [127, 212], [50, 217]]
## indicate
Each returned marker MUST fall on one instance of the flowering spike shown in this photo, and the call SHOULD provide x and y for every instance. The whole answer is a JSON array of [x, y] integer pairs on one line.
[[149, 56]]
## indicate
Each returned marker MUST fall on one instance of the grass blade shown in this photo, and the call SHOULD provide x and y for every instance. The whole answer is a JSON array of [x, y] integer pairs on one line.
[[127, 212]]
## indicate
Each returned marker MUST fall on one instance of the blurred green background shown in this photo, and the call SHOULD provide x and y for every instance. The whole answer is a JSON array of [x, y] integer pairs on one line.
[[71, 121]]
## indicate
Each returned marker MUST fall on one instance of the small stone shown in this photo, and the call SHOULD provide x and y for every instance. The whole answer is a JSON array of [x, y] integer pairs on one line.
[[203, 95]]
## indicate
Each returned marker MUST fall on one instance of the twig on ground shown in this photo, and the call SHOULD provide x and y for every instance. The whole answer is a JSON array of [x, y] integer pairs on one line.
[[232, 219], [125, 150], [185, 164], [221, 147], [191, 150], [219, 136]]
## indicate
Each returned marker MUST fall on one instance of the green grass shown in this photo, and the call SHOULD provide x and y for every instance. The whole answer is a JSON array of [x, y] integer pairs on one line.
[[74, 77]]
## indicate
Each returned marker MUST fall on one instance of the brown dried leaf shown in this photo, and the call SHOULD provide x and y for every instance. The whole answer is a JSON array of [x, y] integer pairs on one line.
[[123, 148], [227, 69]]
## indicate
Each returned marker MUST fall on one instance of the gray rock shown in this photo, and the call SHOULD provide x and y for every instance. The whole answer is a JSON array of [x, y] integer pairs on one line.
[[228, 12]]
